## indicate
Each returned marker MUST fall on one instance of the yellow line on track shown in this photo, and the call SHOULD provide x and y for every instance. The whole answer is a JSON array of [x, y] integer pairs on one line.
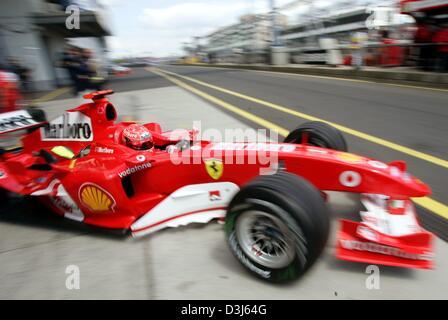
[[262, 122], [329, 78], [432, 205], [356, 133], [353, 80]]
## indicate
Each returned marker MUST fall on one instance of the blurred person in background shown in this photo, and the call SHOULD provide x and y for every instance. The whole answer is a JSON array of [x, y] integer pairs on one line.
[[9, 92], [22, 72], [83, 70], [423, 37], [71, 61], [90, 71], [441, 38], [65, 3], [390, 55], [358, 42]]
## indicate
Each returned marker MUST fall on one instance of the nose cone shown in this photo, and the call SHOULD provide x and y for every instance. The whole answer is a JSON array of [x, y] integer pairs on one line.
[[400, 182], [409, 186], [421, 188]]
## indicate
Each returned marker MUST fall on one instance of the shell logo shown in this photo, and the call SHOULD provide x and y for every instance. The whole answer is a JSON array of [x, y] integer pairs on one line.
[[96, 199]]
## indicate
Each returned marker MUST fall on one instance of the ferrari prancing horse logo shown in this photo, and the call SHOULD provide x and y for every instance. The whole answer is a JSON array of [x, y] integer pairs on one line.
[[214, 168]]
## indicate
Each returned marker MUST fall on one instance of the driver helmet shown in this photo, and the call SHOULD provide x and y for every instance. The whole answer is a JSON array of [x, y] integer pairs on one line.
[[138, 137]]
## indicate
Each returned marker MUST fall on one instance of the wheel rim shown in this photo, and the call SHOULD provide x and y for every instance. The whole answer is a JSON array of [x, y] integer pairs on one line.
[[265, 239]]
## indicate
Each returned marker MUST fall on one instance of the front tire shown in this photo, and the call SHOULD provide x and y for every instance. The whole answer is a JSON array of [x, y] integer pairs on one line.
[[277, 226], [320, 134]]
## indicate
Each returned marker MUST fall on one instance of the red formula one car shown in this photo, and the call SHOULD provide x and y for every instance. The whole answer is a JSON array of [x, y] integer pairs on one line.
[[277, 223]]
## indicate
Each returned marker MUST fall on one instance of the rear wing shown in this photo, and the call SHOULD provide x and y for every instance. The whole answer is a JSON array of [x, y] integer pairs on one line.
[[21, 120]]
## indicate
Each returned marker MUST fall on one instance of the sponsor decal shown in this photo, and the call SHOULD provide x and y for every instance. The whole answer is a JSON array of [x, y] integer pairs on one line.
[[350, 179], [369, 218], [65, 203], [240, 255], [382, 249], [378, 164], [134, 169], [321, 151], [41, 179], [348, 157], [2, 174], [50, 189], [367, 233], [195, 148], [407, 177], [138, 135], [15, 120], [140, 158], [417, 180], [72, 164], [271, 147], [397, 204], [214, 195], [96, 198], [214, 168], [104, 150], [395, 172], [71, 126]]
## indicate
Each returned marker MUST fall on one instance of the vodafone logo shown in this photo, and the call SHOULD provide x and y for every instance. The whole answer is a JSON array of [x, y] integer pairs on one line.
[[350, 179], [367, 233]]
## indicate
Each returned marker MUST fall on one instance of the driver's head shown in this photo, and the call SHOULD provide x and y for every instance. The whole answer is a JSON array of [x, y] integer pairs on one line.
[[138, 137]]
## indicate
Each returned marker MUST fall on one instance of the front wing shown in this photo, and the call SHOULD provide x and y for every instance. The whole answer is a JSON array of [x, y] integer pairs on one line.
[[386, 238]]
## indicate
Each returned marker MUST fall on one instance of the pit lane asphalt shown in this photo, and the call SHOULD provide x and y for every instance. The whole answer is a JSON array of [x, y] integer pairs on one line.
[[184, 263]]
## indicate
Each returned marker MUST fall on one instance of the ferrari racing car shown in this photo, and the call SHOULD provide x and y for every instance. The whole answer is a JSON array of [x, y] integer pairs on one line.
[[127, 176]]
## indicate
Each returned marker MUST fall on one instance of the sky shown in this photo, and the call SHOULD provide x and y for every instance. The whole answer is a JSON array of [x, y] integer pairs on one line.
[[159, 27]]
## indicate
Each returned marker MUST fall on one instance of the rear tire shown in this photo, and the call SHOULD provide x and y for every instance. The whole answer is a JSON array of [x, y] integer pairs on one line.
[[277, 226], [38, 115], [320, 134]]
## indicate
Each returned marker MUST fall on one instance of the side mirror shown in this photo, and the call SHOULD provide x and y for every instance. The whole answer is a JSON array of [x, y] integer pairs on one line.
[[84, 152], [63, 152]]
